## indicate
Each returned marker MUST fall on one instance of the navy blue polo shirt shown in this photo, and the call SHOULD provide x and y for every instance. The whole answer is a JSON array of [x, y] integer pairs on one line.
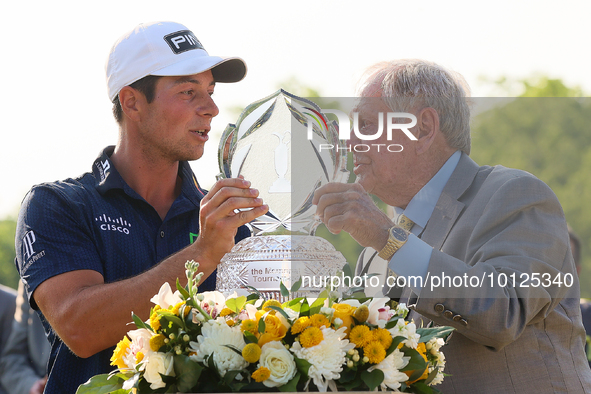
[[98, 222]]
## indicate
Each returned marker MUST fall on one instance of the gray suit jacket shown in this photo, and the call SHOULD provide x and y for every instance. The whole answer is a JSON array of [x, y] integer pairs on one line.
[[7, 307], [24, 359], [495, 223]]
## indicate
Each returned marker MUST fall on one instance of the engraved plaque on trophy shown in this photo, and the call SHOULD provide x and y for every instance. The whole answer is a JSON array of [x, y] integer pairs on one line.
[[286, 147]]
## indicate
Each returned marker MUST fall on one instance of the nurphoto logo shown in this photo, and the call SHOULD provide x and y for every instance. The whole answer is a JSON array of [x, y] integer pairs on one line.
[[344, 126]]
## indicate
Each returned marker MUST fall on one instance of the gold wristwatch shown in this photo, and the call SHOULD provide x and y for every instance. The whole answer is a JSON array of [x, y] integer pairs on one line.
[[397, 237]]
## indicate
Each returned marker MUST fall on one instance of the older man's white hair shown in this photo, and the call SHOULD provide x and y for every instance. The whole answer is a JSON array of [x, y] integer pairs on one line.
[[410, 85]]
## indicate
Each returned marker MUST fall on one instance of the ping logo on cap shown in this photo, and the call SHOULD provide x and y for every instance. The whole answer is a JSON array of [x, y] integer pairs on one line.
[[183, 41]]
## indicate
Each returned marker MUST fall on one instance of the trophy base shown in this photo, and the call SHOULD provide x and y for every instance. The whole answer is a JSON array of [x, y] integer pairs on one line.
[[261, 263]]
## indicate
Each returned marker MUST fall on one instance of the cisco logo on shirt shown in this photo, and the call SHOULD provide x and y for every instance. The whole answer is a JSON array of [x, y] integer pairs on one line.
[[106, 223]]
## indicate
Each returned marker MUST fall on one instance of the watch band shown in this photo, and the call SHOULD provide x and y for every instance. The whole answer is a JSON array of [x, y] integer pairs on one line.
[[397, 237]]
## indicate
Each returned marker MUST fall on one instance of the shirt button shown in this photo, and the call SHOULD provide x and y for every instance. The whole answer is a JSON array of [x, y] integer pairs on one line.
[[162, 234], [464, 322], [457, 318], [449, 314], [439, 308]]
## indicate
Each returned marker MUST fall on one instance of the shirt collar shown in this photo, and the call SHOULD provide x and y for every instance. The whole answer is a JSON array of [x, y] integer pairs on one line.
[[105, 173], [109, 178], [420, 208]]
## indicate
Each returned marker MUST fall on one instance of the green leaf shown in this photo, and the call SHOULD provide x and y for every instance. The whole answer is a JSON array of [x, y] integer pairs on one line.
[[296, 286], [284, 291], [232, 347], [230, 377], [305, 308], [280, 310], [262, 325], [422, 388], [292, 385], [187, 373], [372, 379], [434, 332], [416, 374], [250, 337], [236, 304], [252, 297], [254, 290], [416, 360], [102, 384], [172, 318], [182, 290], [392, 322], [394, 345], [431, 375], [294, 304], [139, 323], [302, 365], [319, 303]]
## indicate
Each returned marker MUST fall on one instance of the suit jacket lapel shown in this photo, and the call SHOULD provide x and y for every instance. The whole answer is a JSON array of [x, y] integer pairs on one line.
[[448, 207]]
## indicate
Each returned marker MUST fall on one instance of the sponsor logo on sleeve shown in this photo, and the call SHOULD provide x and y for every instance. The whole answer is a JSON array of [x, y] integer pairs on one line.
[[28, 247]]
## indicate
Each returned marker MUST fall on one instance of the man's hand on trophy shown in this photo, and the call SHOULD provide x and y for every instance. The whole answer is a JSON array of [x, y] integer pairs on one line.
[[348, 207], [219, 217]]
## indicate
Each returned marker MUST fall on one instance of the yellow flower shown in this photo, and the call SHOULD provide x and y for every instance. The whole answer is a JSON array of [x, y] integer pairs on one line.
[[175, 309], [318, 320], [261, 374], [300, 325], [156, 342], [274, 330], [269, 303], [360, 335], [155, 320], [250, 326], [251, 352], [139, 356], [362, 313], [311, 336], [230, 322], [375, 352], [226, 312], [120, 352], [423, 352], [383, 336], [344, 312]]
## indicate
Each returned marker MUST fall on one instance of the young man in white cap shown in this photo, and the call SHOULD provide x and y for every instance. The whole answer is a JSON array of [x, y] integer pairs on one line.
[[93, 249]]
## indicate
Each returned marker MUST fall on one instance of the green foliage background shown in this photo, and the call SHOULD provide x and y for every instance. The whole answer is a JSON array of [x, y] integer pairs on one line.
[[547, 132], [8, 273]]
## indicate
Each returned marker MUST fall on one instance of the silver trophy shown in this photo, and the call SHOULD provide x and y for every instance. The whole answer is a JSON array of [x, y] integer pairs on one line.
[[286, 147]]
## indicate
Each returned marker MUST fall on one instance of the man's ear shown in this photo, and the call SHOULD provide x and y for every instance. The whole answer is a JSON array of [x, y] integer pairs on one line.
[[428, 129], [130, 100]]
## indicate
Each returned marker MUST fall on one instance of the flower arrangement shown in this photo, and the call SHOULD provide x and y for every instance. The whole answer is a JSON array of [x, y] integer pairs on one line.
[[205, 342]]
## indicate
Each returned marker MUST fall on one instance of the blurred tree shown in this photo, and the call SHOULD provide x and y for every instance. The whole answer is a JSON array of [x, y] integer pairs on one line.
[[8, 273], [547, 132]]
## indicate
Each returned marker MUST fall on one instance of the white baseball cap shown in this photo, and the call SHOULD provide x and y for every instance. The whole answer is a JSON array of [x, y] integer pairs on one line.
[[164, 49]]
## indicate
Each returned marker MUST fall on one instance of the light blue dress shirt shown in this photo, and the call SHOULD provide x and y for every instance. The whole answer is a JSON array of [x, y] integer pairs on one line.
[[412, 259]]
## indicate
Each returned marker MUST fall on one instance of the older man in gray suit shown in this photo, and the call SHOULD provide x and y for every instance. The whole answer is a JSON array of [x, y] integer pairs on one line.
[[482, 249]]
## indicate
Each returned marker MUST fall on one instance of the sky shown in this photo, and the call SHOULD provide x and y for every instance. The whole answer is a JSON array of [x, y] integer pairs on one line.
[[55, 116]]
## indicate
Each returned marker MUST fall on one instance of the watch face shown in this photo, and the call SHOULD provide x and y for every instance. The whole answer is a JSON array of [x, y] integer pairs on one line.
[[399, 234]]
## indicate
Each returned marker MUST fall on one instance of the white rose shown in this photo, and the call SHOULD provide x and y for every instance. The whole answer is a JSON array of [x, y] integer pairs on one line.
[[159, 363], [279, 361]]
